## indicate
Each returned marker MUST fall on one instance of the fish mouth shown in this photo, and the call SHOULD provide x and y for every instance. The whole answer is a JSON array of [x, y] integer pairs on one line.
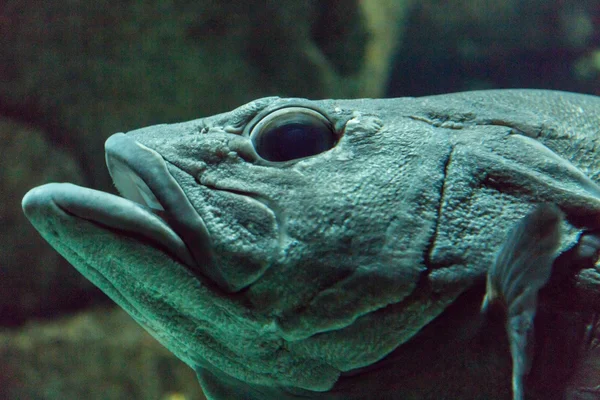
[[141, 175], [153, 207]]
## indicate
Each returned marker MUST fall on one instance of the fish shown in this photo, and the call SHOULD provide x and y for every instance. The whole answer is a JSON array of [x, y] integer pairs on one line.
[[355, 249]]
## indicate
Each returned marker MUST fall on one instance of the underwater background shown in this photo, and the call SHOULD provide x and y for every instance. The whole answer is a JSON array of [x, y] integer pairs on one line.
[[74, 72]]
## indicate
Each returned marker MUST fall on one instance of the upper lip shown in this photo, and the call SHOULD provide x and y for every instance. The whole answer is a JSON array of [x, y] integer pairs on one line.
[[141, 175]]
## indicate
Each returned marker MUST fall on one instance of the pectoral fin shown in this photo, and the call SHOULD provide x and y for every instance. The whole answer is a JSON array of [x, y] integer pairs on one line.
[[523, 266]]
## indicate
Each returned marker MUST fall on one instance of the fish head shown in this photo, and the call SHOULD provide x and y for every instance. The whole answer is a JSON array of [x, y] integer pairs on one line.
[[264, 242]]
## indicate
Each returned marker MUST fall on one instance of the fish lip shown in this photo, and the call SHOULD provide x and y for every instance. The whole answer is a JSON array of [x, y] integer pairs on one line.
[[105, 210], [141, 175]]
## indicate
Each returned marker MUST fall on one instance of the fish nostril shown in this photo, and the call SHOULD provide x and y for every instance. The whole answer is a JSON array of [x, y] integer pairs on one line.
[[243, 149]]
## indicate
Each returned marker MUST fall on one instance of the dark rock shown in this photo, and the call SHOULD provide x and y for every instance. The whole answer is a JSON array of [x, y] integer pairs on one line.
[[467, 45], [81, 357]]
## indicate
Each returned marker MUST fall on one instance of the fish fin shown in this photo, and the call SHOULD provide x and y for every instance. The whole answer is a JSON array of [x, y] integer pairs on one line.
[[522, 267]]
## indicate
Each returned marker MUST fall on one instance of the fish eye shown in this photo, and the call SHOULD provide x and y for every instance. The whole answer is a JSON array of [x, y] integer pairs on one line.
[[291, 133]]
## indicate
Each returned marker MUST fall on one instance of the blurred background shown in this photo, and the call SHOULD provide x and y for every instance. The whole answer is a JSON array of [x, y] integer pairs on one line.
[[74, 72]]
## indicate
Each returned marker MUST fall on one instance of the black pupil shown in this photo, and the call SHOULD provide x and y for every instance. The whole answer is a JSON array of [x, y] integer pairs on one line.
[[294, 140]]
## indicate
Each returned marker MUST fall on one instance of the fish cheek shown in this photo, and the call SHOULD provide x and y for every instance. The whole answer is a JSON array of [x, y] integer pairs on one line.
[[244, 236]]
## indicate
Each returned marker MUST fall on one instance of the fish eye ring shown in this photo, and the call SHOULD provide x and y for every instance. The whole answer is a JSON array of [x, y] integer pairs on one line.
[[291, 133]]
